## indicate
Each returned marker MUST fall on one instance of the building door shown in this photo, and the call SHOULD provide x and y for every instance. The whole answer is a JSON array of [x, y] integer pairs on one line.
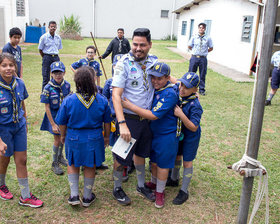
[[2, 28], [191, 28]]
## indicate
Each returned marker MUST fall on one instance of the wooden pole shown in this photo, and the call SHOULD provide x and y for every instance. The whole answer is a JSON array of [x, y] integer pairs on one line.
[[255, 127], [98, 56]]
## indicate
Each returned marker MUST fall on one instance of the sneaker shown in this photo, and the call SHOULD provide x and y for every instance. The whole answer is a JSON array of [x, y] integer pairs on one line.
[[159, 200], [125, 175], [5, 194], [150, 185], [62, 161], [267, 103], [87, 202], [74, 200], [180, 198], [32, 202], [57, 169], [172, 183], [121, 196], [146, 193], [102, 167]]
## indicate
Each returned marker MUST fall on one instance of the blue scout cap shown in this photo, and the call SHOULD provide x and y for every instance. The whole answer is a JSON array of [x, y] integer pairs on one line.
[[117, 57], [160, 69], [190, 80], [57, 66]]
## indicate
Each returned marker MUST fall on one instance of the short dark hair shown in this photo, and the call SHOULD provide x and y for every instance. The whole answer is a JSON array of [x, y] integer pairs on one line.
[[142, 32], [10, 57], [85, 83], [52, 22], [15, 31], [121, 29], [91, 47], [202, 24]]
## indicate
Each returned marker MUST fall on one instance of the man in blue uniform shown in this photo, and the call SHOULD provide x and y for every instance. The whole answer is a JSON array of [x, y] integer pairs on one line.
[[49, 46], [275, 79], [131, 80], [200, 45]]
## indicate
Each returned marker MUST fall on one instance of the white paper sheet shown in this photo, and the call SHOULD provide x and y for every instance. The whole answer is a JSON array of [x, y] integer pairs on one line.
[[122, 148]]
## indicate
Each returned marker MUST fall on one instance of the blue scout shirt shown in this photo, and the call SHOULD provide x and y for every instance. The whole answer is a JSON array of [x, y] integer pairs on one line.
[[275, 59], [200, 44], [77, 113], [50, 44], [6, 100], [164, 101], [87, 62], [16, 52], [107, 92], [129, 75], [54, 93]]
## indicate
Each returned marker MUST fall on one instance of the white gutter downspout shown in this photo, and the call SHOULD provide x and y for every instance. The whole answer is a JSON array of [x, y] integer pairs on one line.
[[172, 20]]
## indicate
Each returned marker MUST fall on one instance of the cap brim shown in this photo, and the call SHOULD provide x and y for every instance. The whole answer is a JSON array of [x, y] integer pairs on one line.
[[187, 84], [157, 74], [58, 69]]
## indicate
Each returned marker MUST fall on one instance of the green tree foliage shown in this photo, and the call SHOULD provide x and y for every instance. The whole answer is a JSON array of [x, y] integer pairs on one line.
[[70, 27]]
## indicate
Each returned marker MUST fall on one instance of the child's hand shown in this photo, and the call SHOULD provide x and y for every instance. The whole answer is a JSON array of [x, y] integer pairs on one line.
[[126, 103], [3, 147], [178, 111], [55, 129]]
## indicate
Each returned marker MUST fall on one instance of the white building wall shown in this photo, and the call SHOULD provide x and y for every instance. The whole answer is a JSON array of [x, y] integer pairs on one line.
[[132, 14], [47, 10], [11, 19], [226, 29]]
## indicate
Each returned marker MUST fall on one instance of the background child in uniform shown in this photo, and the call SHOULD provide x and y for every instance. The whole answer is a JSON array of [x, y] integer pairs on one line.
[[189, 113], [13, 131], [52, 96], [89, 61], [13, 48], [163, 126], [83, 115]]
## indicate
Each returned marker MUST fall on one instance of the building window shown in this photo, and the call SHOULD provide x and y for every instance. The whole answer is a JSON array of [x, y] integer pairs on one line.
[[20, 7], [277, 34], [184, 28], [164, 13], [247, 28], [191, 28], [208, 27]]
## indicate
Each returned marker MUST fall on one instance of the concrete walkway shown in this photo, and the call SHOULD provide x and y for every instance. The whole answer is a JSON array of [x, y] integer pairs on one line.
[[223, 70]]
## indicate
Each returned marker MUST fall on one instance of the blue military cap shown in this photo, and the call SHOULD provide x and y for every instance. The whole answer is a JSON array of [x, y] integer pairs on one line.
[[117, 57], [160, 69], [190, 80], [57, 66]]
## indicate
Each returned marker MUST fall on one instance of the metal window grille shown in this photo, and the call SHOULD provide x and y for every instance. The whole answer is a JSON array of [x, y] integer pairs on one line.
[[184, 28], [20, 7], [247, 28], [164, 13]]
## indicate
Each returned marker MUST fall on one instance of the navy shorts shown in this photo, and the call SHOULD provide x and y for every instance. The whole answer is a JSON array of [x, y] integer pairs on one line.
[[275, 80], [14, 135], [164, 150], [140, 130]]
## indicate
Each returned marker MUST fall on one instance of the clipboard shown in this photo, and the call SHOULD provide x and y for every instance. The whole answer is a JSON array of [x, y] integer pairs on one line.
[[122, 148]]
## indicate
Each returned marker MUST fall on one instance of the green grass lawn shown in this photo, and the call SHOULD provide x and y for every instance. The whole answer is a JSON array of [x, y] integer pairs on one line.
[[214, 190]]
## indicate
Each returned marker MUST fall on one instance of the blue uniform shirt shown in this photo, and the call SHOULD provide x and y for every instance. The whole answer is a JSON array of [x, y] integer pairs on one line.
[[54, 93], [107, 92], [75, 115], [163, 105], [87, 62], [275, 59], [200, 44], [6, 100], [50, 44], [16, 52], [129, 75]]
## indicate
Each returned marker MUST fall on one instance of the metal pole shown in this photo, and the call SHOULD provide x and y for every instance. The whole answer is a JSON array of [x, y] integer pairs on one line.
[[258, 104]]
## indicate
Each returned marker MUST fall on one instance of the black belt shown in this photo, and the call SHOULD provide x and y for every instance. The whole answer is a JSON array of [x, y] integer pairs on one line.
[[52, 55], [134, 116], [199, 56]]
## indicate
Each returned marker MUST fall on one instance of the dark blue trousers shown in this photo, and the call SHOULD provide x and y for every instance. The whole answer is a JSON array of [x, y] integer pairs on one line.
[[200, 63], [46, 69]]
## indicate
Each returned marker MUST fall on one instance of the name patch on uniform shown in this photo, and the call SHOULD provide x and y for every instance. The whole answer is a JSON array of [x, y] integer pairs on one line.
[[4, 110], [134, 83], [55, 101]]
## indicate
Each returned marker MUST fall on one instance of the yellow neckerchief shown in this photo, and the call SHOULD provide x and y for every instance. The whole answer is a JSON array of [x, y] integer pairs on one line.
[[145, 75], [86, 103], [12, 91], [167, 86], [181, 103], [61, 97]]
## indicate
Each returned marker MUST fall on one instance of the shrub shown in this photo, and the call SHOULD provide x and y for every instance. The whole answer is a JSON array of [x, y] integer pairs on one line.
[[70, 28]]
